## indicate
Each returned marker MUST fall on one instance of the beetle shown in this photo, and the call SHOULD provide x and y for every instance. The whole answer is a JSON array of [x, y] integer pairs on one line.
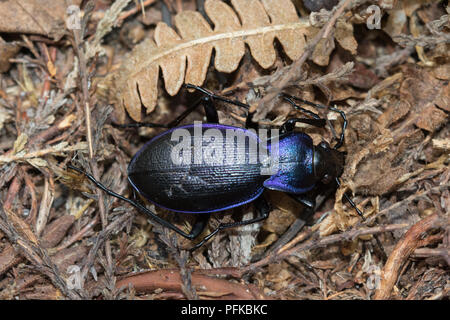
[[204, 185]]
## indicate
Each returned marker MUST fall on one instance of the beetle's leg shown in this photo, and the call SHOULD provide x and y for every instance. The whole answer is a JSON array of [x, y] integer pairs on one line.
[[308, 200], [194, 232], [210, 111], [200, 224], [290, 99], [263, 210], [289, 125], [249, 123], [209, 107], [208, 104]]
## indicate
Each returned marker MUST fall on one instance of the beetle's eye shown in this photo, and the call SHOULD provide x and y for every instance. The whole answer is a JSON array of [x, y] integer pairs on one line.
[[324, 145], [326, 179]]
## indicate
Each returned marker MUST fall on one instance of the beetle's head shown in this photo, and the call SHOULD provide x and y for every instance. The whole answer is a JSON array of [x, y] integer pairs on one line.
[[328, 163]]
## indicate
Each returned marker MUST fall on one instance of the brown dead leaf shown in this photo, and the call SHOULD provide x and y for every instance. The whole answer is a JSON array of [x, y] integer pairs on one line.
[[55, 231], [376, 176], [363, 77], [442, 144], [443, 99], [152, 16], [8, 258], [370, 169], [328, 225], [349, 247], [442, 72], [393, 113], [22, 227], [184, 57], [66, 257], [430, 12], [278, 221], [410, 6], [321, 54], [396, 22], [362, 130], [424, 92], [44, 17], [340, 220], [431, 118], [387, 86], [7, 51], [278, 273], [344, 35], [418, 86]]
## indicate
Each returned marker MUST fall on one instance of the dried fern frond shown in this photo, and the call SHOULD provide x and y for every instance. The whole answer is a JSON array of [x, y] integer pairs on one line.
[[254, 22]]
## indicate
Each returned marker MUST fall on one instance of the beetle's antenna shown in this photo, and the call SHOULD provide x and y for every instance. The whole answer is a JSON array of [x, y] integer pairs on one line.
[[351, 202], [319, 106], [139, 125], [216, 97], [289, 98]]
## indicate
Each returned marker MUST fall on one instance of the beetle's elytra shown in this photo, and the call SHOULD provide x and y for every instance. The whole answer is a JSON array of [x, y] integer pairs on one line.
[[183, 180], [194, 187]]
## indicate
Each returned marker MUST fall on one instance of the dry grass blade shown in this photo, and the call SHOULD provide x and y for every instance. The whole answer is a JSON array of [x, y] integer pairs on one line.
[[185, 56]]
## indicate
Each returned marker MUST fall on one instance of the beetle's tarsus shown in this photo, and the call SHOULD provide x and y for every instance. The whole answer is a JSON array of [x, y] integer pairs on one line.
[[290, 99]]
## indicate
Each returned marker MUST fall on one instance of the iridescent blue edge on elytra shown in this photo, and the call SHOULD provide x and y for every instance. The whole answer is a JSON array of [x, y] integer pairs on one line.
[[209, 211]]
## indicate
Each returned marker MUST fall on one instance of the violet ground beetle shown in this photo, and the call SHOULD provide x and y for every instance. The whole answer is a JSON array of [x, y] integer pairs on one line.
[[304, 170]]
